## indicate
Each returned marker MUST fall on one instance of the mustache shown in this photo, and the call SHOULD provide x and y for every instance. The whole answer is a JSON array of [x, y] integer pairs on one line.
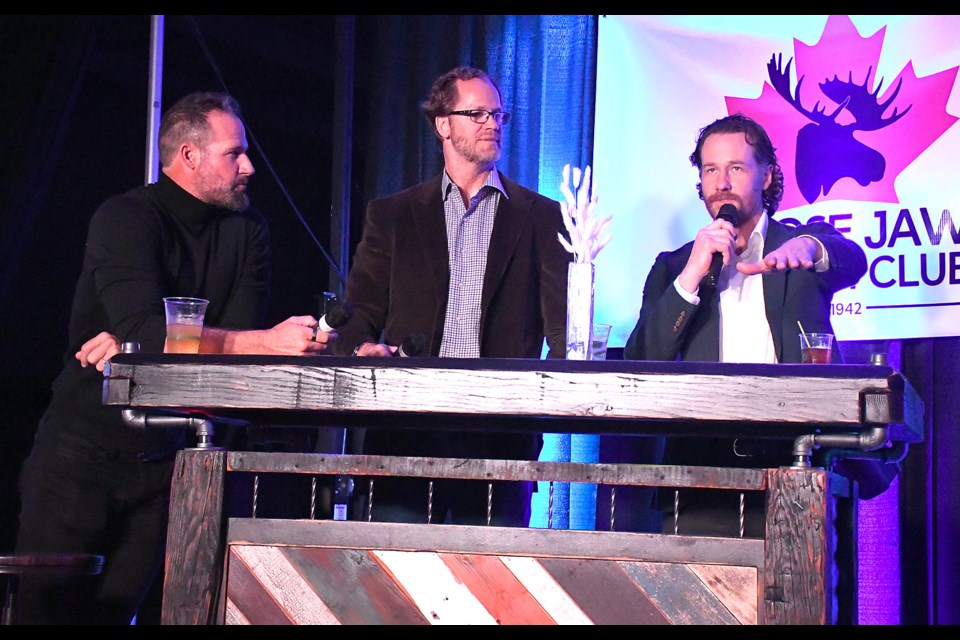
[[726, 198]]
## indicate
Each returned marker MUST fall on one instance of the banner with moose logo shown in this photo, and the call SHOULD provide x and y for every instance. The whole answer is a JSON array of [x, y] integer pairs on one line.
[[863, 112]]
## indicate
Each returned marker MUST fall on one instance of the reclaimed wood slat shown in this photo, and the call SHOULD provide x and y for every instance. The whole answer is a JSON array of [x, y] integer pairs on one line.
[[604, 591], [354, 586], [194, 562], [797, 585], [555, 601], [730, 584], [481, 469], [247, 601], [680, 594], [497, 588]]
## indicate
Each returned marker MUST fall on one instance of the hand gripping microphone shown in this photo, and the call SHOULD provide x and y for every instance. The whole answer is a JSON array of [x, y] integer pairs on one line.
[[729, 213], [410, 347]]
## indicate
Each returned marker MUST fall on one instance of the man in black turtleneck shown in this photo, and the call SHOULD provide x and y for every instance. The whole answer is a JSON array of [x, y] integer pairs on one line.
[[92, 484]]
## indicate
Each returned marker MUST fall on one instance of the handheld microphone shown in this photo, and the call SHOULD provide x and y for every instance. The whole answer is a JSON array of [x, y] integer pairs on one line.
[[411, 347], [729, 213], [336, 317]]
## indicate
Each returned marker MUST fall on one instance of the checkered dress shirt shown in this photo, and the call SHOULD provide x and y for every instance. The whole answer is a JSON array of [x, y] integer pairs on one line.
[[468, 238]]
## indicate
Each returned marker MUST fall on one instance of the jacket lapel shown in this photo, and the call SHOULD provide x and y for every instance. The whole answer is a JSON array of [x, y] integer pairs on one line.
[[513, 214], [426, 211]]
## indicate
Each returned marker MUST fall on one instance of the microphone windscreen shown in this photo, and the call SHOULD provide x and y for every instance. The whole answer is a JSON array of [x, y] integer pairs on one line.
[[729, 213], [336, 317], [412, 346]]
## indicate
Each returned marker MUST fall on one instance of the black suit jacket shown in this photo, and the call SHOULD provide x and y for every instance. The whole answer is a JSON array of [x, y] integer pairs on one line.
[[670, 328], [399, 284]]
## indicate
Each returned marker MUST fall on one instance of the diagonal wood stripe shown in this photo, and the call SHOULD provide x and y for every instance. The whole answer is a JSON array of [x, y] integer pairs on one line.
[[679, 593], [233, 615], [276, 574], [495, 586], [541, 585], [603, 590], [737, 588], [354, 586], [247, 596], [441, 598]]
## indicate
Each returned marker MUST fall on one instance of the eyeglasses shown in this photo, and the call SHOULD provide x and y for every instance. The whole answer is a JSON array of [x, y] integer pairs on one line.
[[480, 116]]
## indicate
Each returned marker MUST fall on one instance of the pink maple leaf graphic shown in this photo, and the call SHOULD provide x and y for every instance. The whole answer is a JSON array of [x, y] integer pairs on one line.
[[837, 136]]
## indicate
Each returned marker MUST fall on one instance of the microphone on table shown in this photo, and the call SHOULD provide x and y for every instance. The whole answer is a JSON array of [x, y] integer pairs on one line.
[[410, 347], [729, 213]]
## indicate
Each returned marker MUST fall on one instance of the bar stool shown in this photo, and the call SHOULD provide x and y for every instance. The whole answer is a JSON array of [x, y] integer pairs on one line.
[[65, 564]]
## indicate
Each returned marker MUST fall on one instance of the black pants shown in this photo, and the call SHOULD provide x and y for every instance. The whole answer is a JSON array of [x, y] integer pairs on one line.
[[78, 497]]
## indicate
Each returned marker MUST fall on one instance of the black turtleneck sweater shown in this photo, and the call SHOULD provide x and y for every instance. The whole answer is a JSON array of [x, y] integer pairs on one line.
[[151, 242]]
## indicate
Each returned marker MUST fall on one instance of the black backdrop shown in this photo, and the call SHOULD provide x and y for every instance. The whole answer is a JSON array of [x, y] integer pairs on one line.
[[74, 108]]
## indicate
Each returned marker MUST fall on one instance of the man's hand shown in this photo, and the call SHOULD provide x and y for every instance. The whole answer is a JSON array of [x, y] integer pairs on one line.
[[375, 350], [98, 349], [717, 237], [295, 336], [796, 253]]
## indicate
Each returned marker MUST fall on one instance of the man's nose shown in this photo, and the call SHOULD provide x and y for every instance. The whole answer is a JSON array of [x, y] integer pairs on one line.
[[246, 165]]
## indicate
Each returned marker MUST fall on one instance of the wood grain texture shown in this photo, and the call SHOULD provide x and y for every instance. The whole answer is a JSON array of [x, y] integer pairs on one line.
[[354, 586], [680, 594], [284, 585], [480, 469], [195, 554], [513, 541], [733, 587], [676, 392], [798, 580]]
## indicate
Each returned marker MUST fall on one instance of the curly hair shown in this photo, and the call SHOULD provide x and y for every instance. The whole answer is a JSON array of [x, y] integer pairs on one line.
[[443, 93], [187, 120], [763, 151]]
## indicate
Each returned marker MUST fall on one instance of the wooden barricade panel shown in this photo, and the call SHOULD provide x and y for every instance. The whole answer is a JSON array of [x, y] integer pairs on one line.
[[384, 573]]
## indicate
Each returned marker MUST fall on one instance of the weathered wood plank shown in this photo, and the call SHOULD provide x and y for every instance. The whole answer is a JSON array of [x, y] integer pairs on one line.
[[736, 587], [513, 541], [195, 554], [247, 601], [497, 589], [836, 394], [354, 586], [680, 594], [276, 576], [480, 469], [798, 579], [604, 591]]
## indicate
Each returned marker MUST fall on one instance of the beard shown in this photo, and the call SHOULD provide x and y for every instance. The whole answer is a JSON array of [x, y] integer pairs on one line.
[[476, 151], [216, 192]]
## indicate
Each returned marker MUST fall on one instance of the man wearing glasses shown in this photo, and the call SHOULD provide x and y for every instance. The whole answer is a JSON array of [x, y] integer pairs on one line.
[[470, 260]]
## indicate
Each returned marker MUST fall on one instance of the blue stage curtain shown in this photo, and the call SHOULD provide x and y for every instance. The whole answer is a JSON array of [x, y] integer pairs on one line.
[[546, 66]]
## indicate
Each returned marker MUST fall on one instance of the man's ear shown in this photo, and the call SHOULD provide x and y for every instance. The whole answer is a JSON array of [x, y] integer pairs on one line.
[[189, 155], [442, 123]]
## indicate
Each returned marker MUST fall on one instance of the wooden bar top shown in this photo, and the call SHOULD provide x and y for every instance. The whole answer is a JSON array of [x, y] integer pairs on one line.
[[612, 396]]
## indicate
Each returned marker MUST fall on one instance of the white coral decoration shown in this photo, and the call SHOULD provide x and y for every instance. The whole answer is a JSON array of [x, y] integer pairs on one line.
[[586, 239]]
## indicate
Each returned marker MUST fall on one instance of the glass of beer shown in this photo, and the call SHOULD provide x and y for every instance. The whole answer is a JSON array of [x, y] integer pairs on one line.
[[184, 324], [816, 348]]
